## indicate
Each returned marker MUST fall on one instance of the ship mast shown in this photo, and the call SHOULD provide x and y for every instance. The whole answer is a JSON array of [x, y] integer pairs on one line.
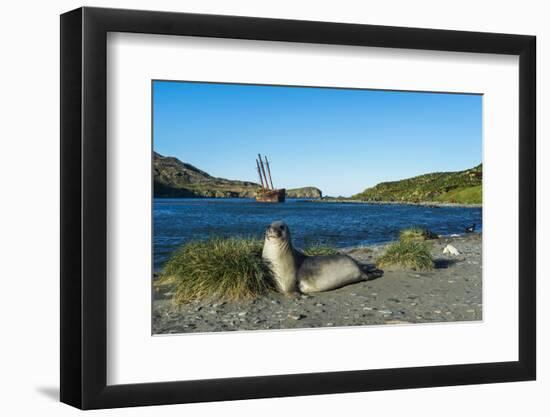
[[260, 174], [269, 172], [263, 171]]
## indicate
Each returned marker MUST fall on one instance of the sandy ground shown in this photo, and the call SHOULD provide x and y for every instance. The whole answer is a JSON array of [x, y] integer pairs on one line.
[[451, 292]]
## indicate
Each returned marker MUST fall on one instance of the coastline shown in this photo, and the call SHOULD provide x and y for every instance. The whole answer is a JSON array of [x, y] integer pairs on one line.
[[342, 201], [403, 203], [451, 292]]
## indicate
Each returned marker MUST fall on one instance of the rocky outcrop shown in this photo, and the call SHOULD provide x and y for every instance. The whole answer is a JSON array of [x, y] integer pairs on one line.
[[304, 192]]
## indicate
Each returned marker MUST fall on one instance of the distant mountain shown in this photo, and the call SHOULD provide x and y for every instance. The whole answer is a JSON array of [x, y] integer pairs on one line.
[[177, 179], [449, 187]]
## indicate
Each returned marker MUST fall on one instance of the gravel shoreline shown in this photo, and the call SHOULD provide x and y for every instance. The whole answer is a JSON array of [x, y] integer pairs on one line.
[[451, 292]]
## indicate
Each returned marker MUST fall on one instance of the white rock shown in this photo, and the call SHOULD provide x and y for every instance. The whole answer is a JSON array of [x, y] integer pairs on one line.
[[451, 250]]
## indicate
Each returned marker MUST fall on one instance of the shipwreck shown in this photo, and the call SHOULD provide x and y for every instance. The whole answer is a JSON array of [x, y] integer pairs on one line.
[[268, 193]]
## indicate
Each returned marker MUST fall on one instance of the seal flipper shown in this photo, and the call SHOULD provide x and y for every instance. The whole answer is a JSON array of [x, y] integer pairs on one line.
[[370, 272]]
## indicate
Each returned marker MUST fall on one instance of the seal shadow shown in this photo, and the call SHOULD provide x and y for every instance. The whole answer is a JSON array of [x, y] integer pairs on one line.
[[443, 263], [50, 392]]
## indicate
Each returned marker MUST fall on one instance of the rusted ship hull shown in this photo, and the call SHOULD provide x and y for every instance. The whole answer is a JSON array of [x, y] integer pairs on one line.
[[271, 196]]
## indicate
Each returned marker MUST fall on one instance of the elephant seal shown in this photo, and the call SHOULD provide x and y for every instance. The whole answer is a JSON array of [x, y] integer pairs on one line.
[[295, 272]]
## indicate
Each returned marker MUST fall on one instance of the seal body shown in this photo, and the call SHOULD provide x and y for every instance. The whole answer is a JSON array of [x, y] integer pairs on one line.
[[325, 273], [293, 271]]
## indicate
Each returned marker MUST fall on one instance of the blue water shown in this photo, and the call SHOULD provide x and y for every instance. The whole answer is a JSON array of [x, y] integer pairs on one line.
[[341, 225]]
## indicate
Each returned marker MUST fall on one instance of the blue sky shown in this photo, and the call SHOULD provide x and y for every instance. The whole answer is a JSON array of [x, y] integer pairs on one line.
[[339, 140]]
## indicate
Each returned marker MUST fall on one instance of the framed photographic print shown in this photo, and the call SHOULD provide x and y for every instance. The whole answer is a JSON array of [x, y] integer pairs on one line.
[[258, 207]]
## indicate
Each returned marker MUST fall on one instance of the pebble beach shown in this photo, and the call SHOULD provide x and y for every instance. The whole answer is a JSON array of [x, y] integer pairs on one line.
[[449, 293]]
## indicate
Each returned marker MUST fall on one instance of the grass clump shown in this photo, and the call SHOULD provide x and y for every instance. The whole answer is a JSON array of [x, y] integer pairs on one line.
[[320, 249], [417, 234], [217, 270], [411, 254]]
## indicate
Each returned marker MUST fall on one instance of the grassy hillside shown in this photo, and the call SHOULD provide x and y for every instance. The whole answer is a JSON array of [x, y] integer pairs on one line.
[[449, 187], [466, 195], [176, 179]]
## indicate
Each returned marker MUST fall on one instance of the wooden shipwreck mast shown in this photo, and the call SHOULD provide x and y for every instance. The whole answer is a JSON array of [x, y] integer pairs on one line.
[[268, 193]]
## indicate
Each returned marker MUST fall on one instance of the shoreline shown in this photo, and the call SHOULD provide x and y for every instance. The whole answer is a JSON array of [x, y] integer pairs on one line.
[[451, 292], [340, 200], [396, 203]]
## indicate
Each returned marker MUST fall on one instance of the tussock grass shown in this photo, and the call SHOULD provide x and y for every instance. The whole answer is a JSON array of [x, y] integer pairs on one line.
[[164, 283], [416, 233], [217, 270], [318, 249], [411, 254]]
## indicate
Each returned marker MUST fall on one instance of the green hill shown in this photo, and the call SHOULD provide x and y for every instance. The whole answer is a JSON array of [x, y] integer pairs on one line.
[[448, 187]]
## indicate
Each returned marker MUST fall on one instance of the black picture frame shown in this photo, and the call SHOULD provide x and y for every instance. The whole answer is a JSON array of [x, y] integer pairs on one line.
[[84, 207]]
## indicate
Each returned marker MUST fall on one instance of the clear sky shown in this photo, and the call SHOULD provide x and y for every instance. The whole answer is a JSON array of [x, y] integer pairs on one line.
[[339, 140]]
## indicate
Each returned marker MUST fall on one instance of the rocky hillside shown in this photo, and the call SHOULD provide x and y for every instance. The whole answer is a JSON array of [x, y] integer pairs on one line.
[[173, 178], [449, 187], [176, 179]]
